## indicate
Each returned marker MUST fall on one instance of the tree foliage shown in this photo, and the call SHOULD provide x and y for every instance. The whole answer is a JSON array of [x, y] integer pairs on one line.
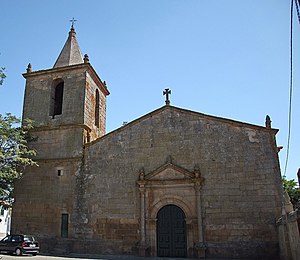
[[292, 189], [2, 75], [14, 153]]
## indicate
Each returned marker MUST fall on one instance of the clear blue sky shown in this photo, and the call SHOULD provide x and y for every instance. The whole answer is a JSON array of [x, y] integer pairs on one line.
[[224, 58]]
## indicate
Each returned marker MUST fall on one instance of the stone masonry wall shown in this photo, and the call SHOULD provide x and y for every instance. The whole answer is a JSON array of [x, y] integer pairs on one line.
[[241, 193], [42, 195], [58, 143], [89, 113], [38, 97]]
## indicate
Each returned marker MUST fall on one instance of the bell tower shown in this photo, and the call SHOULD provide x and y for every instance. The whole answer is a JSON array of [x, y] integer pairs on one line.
[[67, 102]]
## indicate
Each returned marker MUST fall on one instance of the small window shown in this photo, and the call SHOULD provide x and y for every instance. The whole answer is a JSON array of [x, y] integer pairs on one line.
[[97, 108], [59, 171], [64, 225]]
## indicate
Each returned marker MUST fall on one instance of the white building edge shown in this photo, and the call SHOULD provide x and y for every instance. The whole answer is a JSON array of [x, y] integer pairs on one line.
[[5, 221]]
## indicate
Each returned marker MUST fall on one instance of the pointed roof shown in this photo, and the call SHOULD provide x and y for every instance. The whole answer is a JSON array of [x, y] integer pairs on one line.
[[70, 54]]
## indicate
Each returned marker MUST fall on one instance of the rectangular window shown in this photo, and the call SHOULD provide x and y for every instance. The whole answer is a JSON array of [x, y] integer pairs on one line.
[[64, 225], [97, 108], [59, 171]]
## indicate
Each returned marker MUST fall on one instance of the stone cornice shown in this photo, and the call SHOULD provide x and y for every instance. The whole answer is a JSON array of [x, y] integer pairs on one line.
[[65, 126], [83, 66]]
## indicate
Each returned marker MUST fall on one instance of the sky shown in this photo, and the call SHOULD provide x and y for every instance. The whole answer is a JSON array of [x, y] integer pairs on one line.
[[229, 59]]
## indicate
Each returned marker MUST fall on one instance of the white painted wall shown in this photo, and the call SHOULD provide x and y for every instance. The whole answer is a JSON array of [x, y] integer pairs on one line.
[[5, 220]]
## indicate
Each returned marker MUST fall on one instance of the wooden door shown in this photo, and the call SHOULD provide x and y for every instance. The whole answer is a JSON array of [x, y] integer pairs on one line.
[[171, 232]]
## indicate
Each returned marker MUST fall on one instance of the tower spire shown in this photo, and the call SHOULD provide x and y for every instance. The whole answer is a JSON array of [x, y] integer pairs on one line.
[[70, 54]]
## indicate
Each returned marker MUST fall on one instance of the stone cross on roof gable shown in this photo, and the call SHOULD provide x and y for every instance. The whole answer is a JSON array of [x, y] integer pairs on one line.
[[167, 92]]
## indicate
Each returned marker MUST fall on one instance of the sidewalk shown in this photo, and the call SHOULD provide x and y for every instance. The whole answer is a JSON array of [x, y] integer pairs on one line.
[[128, 257], [125, 257]]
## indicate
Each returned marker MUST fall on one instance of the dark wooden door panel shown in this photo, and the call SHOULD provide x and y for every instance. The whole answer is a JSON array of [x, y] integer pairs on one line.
[[171, 232]]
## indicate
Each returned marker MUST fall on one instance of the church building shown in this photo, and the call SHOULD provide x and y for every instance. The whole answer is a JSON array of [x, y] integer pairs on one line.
[[172, 183]]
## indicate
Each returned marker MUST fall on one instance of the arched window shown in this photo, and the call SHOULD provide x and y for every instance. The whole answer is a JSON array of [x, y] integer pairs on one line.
[[97, 108], [57, 99]]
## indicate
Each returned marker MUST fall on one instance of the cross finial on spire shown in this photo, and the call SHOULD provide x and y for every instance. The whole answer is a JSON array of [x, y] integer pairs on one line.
[[73, 22], [167, 92]]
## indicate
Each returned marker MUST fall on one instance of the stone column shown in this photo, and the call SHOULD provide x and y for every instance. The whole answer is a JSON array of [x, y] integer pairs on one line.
[[151, 233], [142, 246], [199, 246], [141, 182]]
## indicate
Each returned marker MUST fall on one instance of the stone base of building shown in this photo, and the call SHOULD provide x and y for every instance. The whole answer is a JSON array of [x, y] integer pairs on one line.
[[200, 250], [236, 249], [243, 250], [143, 249]]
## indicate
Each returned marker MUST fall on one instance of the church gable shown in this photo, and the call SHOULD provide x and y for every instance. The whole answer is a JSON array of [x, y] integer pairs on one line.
[[185, 135], [174, 117], [189, 137]]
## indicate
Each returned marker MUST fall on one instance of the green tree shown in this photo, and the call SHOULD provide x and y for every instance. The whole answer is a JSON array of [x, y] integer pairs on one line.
[[2, 75], [292, 189], [14, 153]]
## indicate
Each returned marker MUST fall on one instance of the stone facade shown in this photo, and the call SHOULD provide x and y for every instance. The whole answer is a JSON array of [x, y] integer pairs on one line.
[[222, 174]]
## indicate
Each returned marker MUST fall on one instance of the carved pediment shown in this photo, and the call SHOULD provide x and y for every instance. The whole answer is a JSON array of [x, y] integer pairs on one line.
[[170, 173]]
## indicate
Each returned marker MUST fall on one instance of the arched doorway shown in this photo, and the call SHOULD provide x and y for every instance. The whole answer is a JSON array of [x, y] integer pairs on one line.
[[171, 232]]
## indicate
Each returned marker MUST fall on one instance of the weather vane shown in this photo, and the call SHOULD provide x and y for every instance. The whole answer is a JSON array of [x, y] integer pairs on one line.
[[73, 22]]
